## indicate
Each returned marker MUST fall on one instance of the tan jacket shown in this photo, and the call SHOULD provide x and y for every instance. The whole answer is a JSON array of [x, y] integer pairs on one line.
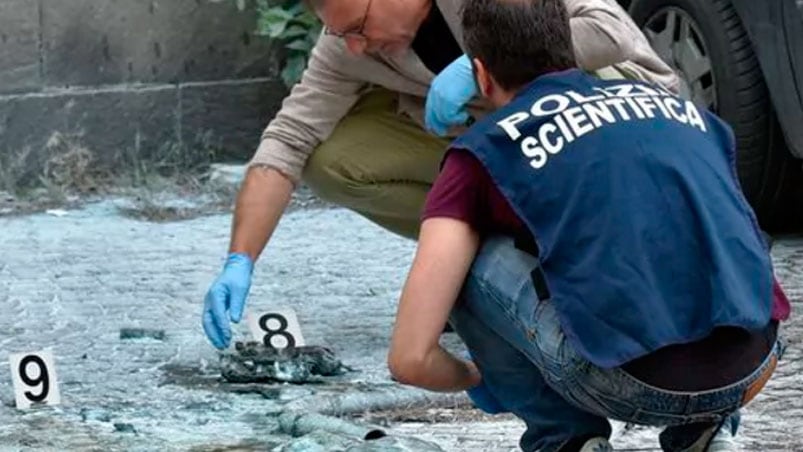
[[603, 35]]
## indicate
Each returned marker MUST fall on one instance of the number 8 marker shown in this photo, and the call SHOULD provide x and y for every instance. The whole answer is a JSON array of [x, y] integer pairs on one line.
[[281, 331], [276, 329], [34, 378]]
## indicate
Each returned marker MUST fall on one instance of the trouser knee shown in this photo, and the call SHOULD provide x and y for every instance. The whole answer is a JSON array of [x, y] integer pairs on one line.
[[329, 178]]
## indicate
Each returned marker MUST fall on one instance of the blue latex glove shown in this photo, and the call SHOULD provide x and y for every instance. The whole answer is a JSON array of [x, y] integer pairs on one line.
[[227, 293], [482, 398], [448, 96]]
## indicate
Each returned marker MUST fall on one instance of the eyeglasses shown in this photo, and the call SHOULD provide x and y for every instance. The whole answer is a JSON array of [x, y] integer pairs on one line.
[[356, 33]]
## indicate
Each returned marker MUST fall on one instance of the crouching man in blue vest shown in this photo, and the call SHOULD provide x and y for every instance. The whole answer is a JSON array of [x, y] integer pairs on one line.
[[590, 244]]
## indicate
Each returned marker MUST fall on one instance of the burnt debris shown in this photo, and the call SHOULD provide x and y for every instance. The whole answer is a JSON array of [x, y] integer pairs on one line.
[[253, 362]]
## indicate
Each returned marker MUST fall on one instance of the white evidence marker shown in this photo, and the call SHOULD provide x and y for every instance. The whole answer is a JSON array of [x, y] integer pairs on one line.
[[34, 378], [277, 328]]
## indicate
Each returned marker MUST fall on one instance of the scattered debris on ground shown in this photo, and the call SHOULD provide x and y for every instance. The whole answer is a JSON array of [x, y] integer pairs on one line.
[[176, 184], [373, 402], [93, 414], [465, 412], [69, 295], [142, 333], [321, 440], [300, 424], [155, 198], [253, 362], [319, 432], [122, 427]]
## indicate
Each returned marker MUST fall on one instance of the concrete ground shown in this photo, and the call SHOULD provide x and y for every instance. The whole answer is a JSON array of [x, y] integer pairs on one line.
[[71, 282]]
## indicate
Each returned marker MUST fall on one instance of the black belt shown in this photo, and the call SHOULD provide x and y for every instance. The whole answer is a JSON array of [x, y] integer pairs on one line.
[[526, 243]]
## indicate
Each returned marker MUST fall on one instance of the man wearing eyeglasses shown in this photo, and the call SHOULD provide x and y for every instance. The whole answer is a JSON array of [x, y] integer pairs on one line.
[[365, 126]]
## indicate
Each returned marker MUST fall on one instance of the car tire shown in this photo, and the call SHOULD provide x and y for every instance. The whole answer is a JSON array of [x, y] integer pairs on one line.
[[686, 33]]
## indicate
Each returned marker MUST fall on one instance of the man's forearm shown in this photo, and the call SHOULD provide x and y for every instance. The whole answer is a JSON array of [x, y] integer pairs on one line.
[[443, 372], [261, 202], [437, 370]]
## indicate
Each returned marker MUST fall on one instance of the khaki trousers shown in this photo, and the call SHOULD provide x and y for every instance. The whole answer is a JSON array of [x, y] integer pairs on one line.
[[381, 164]]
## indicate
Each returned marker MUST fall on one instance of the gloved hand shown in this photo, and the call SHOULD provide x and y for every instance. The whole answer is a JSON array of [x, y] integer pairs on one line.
[[227, 293], [482, 398], [450, 92]]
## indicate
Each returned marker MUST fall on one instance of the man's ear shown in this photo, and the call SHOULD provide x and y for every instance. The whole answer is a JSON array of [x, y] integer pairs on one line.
[[484, 80]]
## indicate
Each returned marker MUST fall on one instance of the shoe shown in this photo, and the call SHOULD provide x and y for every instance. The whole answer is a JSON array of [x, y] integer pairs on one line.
[[598, 444], [723, 441], [708, 439]]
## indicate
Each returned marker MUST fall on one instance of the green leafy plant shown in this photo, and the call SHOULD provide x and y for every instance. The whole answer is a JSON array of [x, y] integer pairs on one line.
[[297, 28]]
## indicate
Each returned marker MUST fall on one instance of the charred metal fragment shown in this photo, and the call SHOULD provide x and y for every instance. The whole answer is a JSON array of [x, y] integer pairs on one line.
[[253, 362]]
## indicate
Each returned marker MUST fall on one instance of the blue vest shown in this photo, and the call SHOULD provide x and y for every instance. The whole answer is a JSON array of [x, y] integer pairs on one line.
[[644, 237]]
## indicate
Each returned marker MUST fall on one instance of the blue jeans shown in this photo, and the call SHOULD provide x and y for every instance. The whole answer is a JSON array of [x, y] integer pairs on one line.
[[529, 366]]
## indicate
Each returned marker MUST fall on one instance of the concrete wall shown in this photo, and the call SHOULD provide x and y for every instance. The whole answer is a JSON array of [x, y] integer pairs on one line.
[[133, 77]]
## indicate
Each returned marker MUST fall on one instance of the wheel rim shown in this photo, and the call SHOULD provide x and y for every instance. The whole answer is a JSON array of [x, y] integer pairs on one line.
[[677, 39]]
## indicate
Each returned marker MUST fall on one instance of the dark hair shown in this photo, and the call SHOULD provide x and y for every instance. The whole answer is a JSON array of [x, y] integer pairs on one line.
[[518, 40]]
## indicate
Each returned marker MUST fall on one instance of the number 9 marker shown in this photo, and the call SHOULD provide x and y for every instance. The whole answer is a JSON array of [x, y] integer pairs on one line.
[[34, 378]]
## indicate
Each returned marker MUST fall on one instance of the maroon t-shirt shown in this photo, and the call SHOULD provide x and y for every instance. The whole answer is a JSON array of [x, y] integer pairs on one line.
[[465, 191]]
